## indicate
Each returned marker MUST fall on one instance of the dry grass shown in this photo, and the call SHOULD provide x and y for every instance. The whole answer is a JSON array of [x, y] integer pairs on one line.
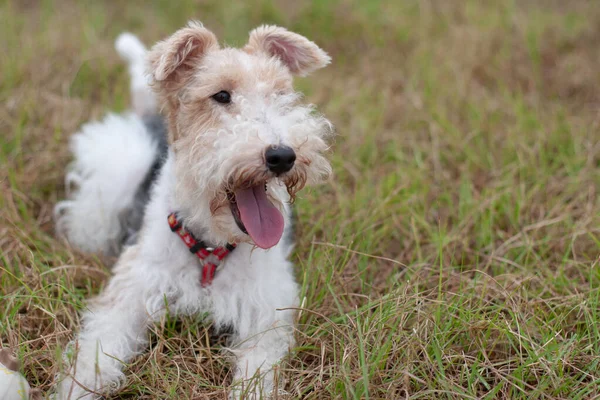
[[454, 256]]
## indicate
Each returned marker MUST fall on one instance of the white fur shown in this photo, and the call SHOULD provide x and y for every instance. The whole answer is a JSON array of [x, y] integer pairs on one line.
[[133, 51], [112, 157], [242, 139], [254, 290], [249, 287]]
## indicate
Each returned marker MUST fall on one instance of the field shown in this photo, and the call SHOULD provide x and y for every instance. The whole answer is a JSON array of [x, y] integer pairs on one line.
[[454, 255]]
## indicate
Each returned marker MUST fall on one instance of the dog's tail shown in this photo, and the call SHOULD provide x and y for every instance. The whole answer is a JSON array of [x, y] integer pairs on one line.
[[133, 52], [113, 157], [112, 160]]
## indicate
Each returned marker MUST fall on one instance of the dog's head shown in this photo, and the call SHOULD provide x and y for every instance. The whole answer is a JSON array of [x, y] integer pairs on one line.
[[243, 143]]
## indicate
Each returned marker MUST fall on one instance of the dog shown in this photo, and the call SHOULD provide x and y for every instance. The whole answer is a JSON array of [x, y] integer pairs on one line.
[[197, 204]]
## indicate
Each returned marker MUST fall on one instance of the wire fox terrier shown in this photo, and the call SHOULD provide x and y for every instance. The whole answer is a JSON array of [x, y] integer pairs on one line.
[[199, 202]]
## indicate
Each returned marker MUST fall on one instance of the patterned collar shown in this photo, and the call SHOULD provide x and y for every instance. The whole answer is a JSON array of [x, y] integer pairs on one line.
[[210, 257]]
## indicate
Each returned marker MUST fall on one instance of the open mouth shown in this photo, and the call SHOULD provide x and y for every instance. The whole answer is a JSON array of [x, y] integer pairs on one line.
[[256, 216]]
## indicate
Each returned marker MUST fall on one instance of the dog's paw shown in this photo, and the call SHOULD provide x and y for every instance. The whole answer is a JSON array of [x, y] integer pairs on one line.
[[253, 394], [65, 392], [256, 388], [75, 394]]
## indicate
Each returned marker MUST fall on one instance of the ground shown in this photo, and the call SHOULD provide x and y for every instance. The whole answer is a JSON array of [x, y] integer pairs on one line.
[[454, 255]]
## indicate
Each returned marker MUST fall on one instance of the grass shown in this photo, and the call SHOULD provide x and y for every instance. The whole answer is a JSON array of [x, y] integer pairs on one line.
[[454, 256]]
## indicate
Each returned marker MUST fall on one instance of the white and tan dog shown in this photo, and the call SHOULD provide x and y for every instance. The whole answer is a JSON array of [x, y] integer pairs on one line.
[[212, 236]]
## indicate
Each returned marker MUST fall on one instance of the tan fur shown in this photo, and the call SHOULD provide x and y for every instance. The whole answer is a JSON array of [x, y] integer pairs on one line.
[[258, 135], [299, 54], [174, 61], [189, 68]]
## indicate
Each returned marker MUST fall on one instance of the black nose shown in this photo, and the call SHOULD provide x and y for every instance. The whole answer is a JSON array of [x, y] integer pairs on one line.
[[280, 159]]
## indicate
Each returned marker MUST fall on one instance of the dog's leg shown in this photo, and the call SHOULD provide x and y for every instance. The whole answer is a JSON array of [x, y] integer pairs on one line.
[[114, 330], [112, 159], [264, 334], [255, 370]]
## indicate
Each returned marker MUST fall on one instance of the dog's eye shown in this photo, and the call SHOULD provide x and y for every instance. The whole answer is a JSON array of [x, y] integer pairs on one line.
[[222, 97]]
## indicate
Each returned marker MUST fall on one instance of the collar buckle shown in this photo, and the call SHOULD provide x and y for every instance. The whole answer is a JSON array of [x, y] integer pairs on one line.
[[210, 257]]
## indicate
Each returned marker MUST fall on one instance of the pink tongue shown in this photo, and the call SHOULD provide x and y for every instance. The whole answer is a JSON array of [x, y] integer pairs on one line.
[[262, 219]]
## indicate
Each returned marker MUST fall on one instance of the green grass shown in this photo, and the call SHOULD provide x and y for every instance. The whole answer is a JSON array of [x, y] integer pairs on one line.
[[455, 254]]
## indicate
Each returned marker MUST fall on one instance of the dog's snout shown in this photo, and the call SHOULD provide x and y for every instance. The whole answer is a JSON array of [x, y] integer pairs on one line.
[[280, 159]]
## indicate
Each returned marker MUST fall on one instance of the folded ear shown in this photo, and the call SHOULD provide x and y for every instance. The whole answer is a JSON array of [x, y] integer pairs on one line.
[[298, 53], [172, 60]]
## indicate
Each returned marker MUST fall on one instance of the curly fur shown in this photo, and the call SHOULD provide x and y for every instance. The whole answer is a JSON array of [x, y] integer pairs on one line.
[[214, 149]]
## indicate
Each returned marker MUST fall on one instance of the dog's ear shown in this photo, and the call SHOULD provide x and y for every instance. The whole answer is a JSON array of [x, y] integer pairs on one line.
[[299, 54], [172, 60]]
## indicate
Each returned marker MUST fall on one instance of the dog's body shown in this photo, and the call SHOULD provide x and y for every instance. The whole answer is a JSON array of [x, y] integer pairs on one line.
[[239, 147]]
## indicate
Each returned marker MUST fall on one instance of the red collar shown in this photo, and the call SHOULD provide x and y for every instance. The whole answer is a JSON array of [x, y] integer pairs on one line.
[[200, 249]]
